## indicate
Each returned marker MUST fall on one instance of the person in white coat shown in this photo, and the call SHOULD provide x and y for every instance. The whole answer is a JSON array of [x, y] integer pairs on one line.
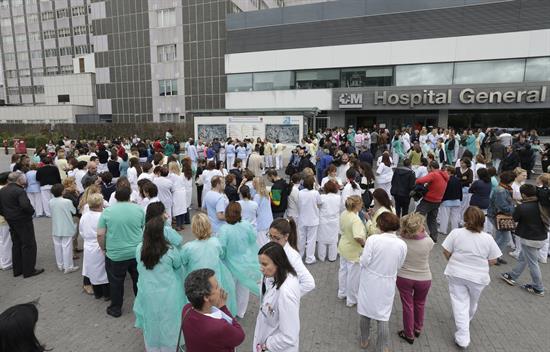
[[165, 188], [470, 252], [329, 223], [293, 197], [382, 258], [283, 231], [351, 188], [309, 203], [179, 197], [134, 171], [93, 264], [5, 239], [278, 322], [384, 173]]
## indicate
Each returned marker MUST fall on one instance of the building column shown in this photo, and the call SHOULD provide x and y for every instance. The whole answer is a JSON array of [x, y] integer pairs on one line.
[[443, 119]]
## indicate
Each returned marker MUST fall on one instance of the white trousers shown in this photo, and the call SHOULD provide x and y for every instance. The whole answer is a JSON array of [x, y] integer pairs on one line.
[[5, 247], [230, 162], [464, 205], [543, 252], [322, 251], [36, 202], [306, 243], [448, 213], [278, 162], [46, 193], [261, 238], [268, 161], [348, 280], [63, 247], [243, 294], [464, 298]]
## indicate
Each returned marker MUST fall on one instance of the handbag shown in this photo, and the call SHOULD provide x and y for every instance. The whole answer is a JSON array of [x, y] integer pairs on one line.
[[505, 222], [180, 347]]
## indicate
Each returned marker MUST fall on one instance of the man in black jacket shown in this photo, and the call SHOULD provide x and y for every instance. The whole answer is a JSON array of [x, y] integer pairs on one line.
[[402, 183], [511, 160], [48, 175], [278, 194], [16, 208], [532, 233]]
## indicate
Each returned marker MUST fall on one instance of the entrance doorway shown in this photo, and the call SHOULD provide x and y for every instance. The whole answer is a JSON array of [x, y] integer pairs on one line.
[[394, 119]]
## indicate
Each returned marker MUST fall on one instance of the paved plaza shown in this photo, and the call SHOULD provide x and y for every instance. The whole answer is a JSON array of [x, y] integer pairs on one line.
[[508, 318]]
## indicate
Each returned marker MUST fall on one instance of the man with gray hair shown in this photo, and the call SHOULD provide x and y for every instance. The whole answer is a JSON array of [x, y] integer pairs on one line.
[[16, 208]]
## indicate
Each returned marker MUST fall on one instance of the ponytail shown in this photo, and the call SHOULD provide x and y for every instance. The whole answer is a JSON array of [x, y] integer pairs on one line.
[[287, 227], [351, 174]]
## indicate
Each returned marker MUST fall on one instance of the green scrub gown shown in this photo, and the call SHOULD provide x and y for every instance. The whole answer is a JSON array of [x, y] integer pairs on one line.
[[201, 254], [159, 301], [241, 254]]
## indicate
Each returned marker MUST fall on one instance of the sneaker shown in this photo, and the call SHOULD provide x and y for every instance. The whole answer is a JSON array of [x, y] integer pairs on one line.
[[529, 288], [501, 261], [351, 305], [514, 254], [543, 260], [71, 270], [508, 279]]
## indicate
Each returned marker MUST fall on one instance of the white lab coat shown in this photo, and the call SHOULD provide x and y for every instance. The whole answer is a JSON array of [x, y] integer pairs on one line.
[[179, 197], [93, 264], [306, 280], [278, 321], [292, 206], [165, 192], [308, 207], [132, 176], [382, 258], [188, 185], [329, 223], [347, 192]]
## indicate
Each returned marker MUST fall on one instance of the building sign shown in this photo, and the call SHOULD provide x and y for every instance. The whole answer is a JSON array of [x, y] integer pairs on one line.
[[445, 98], [350, 101]]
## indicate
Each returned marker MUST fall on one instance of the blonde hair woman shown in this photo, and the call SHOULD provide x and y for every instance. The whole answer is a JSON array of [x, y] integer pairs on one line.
[[265, 215], [350, 247], [414, 279], [179, 195], [205, 252], [83, 204], [521, 176]]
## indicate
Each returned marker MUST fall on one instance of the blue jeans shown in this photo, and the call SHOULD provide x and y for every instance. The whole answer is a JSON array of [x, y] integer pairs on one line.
[[528, 257], [502, 238]]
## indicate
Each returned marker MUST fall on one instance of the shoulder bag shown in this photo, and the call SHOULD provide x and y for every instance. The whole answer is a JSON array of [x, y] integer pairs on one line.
[[180, 347], [505, 222]]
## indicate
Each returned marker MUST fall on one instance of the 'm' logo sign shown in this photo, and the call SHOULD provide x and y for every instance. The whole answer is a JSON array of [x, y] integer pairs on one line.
[[350, 100]]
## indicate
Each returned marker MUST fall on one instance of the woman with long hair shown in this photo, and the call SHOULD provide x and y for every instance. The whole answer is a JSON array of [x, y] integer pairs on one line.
[[265, 215], [351, 188], [382, 204], [179, 194], [160, 296], [238, 239], [188, 185], [309, 203], [17, 325], [329, 223], [384, 173], [284, 232], [133, 173], [249, 208], [278, 321]]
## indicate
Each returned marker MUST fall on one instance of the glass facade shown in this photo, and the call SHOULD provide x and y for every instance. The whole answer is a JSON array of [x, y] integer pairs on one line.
[[497, 71], [475, 72]]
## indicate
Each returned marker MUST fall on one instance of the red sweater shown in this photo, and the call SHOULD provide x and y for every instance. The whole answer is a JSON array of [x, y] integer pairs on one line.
[[437, 183], [206, 334]]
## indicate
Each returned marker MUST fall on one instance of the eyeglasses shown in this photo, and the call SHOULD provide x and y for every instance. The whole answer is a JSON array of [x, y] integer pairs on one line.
[[274, 238]]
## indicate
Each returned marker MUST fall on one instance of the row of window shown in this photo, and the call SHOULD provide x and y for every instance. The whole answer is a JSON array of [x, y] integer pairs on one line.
[[169, 117], [37, 54], [66, 12], [26, 90], [474, 72]]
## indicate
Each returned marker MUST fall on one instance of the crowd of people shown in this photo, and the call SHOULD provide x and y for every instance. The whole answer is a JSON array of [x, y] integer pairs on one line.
[[377, 200]]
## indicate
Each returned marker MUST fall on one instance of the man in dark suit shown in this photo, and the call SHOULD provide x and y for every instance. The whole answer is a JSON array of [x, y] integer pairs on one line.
[[16, 208]]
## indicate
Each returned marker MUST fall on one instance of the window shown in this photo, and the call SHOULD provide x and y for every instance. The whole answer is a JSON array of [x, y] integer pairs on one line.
[[8, 40], [27, 90], [82, 49], [169, 117], [64, 32], [20, 38], [314, 79], [15, 3], [18, 20], [538, 69], [9, 56], [419, 75], [67, 69], [65, 51], [497, 71], [79, 30], [13, 91], [25, 72], [47, 15], [239, 82], [39, 89], [34, 36], [91, 28], [51, 52], [16, 122], [30, 2], [63, 98], [11, 73], [38, 72], [166, 17], [62, 13], [23, 56], [81, 65], [4, 4], [166, 52], [36, 54], [274, 80], [367, 77], [168, 87], [51, 71], [78, 10], [5, 22], [49, 34], [32, 18]]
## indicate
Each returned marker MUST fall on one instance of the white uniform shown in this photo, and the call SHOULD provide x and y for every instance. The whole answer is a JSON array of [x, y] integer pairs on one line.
[[179, 197], [329, 227], [307, 282], [132, 178], [165, 193], [93, 264], [384, 175], [278, 321], [5, 244], [308, 205], [382, 257], [292, 206], [188, 185], [347, 192]]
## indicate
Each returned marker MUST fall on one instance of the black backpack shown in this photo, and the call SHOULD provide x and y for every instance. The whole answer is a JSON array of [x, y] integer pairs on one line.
[[543, 194]]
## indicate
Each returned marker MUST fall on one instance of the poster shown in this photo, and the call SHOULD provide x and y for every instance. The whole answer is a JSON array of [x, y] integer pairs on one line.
[[286, 134], [246, 130], [207, 133]]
